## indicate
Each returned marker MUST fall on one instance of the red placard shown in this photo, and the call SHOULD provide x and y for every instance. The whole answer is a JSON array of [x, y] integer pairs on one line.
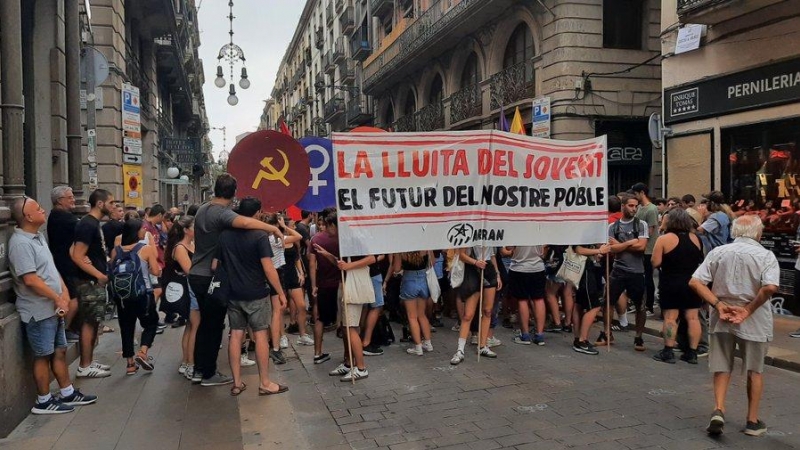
[[272, 167]]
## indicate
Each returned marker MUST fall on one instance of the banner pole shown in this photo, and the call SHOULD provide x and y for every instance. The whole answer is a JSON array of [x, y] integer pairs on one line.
[[608, 303], [480, 313], [347, 327]]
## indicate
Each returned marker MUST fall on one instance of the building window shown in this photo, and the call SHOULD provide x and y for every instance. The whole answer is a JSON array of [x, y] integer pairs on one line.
[[471, 74], [622, 24], [411, 104], [437, 90], [520, 50]]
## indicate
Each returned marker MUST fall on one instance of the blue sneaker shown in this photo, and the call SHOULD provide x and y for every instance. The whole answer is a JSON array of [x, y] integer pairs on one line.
[[524, 339], [538, 339], [52, 406], [78, 399]]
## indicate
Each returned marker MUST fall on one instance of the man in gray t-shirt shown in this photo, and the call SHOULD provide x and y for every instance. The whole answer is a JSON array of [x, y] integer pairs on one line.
[[628, 239]]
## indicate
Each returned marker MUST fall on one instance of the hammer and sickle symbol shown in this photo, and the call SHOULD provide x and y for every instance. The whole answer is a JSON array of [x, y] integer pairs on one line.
[[272, 174]]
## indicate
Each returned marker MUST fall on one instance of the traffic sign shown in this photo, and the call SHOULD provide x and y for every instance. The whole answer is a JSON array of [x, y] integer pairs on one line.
[[271, 166], [541, 117]]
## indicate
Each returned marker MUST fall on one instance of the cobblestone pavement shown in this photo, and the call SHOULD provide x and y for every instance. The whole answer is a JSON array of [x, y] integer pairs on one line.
[[530, 397]]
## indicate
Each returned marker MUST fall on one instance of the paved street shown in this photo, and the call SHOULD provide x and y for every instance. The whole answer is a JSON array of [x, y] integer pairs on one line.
[[530, 397]]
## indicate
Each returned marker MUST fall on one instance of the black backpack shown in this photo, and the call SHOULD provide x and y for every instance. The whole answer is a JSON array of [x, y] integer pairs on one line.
[[615, 229], [127, 280], [382, 334]]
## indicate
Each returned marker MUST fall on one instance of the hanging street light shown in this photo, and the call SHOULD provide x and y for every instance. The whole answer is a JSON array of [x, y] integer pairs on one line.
[[232, 54]]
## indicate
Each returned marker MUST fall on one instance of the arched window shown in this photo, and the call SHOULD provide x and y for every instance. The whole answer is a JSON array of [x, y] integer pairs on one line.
[[389, 115], [519, 50], [411, 104], [471, 74], [437, 90]]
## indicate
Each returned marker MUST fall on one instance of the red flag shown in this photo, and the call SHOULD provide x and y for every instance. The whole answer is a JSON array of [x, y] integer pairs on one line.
[[285, 128], [294, 213]]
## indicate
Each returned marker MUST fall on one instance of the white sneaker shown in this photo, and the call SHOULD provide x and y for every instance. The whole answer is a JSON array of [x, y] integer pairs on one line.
[[427, 346], [245, 361], [305, 340], [488, 353], [284, 342], [99, 365], [457, 358], [456, 327], [189, 371], [413, 351], [493, 342], [92, 372], [356, 374], [473, 340], [182, 368], [340, 370]]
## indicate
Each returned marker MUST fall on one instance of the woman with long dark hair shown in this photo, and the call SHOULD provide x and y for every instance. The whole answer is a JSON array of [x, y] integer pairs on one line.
[[141, 307], [177, 263], [277, 332], [678, 253]]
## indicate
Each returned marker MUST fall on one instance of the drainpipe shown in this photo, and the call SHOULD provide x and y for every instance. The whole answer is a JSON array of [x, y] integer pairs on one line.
[[73, 55]]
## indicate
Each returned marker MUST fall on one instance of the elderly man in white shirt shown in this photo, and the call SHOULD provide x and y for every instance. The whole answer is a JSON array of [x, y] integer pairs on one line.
[[743, 275]]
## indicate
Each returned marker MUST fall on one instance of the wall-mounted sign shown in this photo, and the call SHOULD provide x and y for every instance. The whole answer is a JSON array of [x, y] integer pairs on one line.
[[541, 117], [132, 188], [185, 151], [132, 159], [769, 85], [689, 38]]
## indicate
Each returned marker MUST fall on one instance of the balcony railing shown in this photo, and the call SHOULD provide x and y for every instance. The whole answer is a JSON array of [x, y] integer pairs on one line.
[[329, 13], [405, 123], [338, 50], [512, 84], [347, 20], [381, 7], [339, 5], [319, 79], [431, 117], [319, 38], [358, 112], [417, 35], [334, 108], [685, 6], [466, 103], [360, 46], [347, 72]]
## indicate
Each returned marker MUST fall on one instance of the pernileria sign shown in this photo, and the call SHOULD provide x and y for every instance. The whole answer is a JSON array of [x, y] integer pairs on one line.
[[400, 192]]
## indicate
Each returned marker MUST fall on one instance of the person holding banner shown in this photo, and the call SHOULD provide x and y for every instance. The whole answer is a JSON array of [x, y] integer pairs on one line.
[[480, 277], [526, 285], [589, 296], [414, 294], [323, 259]]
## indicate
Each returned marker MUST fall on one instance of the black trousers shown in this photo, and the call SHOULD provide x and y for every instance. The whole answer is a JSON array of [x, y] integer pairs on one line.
[[212, 324], [649, 283], [127, 313]]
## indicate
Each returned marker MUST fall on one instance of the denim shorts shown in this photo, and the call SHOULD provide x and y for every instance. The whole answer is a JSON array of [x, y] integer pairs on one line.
[[414, 285], [45, 336], [193, 305], [377, 286]]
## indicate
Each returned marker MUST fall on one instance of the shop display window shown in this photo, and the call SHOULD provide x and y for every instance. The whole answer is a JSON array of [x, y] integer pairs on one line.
[[761, 175]]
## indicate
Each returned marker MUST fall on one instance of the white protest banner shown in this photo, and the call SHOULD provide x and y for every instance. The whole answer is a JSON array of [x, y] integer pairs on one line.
[[400, 192]]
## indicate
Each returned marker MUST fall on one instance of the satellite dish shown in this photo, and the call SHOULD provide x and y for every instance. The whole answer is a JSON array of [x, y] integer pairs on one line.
[[657, 131]]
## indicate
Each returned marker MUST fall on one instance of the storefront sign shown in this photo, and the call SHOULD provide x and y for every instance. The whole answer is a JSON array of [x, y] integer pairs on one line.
[[185, 152], [774, 84], [400, 192]]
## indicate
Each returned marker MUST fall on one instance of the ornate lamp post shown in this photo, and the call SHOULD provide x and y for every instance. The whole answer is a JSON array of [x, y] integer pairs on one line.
[[231, 53]]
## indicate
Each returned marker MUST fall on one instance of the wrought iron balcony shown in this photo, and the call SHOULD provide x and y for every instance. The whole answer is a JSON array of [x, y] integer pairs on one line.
[[334, 108], [431, 26], [512, 84], [330, 67], [338, 51], [319, 38], [339, 4], [466, 103], [319, 79], [308, 132], [358, 112], [431, 117], [405, 123], [685, 6], [347, 20], [347, 73], [307, 56], [360, 46], [381, 7]]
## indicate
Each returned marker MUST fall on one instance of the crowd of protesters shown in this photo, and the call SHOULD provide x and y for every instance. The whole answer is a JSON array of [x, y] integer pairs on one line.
[[272, 277]]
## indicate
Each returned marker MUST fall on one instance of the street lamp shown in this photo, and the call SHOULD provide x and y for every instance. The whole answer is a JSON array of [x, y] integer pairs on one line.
[[232, 54]]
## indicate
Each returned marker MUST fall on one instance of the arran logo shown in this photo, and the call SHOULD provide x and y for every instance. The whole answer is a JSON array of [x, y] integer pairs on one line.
[[460, 234]]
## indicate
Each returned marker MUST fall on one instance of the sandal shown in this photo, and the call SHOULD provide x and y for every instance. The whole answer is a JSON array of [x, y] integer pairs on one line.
[[132, 368], [236, 390], [145, 361], [107, 329], [281, 390]]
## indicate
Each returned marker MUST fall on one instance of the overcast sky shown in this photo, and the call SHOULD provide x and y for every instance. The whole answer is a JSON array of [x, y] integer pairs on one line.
[[263, 29]]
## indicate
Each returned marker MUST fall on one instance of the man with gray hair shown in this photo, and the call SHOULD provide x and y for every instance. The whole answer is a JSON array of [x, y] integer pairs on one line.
[[60, 234], [744, 275], [42, 301]]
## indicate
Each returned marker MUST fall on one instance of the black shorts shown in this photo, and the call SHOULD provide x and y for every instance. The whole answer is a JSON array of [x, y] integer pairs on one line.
[[72, 288], [272, 291], [290, 279], [632, 283], [327, 305], [472, 283], [526, 285], [674, 293]]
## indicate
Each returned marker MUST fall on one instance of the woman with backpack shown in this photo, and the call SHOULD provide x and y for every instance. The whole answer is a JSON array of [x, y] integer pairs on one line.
[[132, 263], [716, 228], [177, 263]]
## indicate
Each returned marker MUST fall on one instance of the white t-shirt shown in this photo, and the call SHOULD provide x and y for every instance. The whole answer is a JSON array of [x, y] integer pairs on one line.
[[527, 259], [278, 260]]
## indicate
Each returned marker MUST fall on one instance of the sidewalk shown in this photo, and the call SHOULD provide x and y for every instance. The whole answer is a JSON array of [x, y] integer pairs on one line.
[[784, 351], [162, 410]]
